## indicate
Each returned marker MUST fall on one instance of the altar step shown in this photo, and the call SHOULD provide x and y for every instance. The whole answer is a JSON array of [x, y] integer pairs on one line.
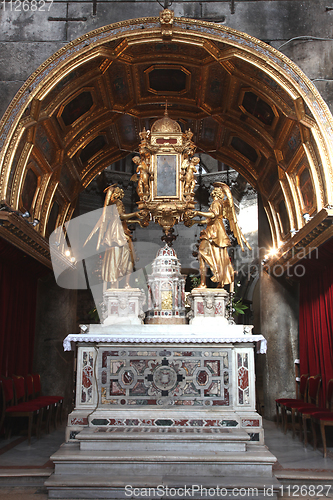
[[69, 459], [99, 486], [104, 460], [166, 438]]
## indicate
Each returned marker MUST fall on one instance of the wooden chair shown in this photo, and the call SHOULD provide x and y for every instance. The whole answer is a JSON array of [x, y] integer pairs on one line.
[[56, 401], [302, 398], [323, 418], [11, 391], [48, 406], [304, 412], [292, 406]]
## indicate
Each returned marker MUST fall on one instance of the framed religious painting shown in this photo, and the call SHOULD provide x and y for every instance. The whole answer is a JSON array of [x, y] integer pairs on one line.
[[166, 176]]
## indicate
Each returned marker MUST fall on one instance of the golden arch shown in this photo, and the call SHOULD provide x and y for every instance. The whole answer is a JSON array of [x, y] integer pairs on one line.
[[248, 104]]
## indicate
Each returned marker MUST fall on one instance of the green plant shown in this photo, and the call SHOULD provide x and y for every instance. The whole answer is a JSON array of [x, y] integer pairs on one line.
[[195, 281], [93, 315], [238, 306]]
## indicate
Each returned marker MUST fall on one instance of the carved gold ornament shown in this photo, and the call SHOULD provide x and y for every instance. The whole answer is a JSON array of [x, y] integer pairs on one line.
[[165, 173], [166, 20]]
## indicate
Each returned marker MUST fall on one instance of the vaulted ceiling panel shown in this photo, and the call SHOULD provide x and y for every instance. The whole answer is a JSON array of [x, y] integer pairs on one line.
[[215, 88], [128, 132], [120, 85]]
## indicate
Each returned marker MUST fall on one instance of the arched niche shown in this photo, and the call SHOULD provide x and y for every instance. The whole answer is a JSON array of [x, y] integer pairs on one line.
[[247, 104]]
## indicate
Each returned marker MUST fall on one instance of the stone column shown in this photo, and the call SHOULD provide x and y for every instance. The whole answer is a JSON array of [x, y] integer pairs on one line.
[[277, 320], [279, 325]]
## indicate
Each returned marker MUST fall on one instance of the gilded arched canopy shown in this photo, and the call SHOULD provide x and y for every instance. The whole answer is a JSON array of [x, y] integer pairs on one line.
[[247, 104]]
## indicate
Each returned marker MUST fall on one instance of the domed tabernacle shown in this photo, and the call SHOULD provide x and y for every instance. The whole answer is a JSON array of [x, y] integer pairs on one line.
[[166, 124], [166, 287], [166, 251]]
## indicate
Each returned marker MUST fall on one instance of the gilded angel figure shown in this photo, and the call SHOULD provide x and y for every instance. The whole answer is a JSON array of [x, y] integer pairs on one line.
[[142, 176], [214, 240], [190, 171], [119, 256]]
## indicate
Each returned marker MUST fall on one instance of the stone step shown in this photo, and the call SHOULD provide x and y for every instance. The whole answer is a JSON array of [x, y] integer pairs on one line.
[[166, 438], [69, 459], [99, 486]]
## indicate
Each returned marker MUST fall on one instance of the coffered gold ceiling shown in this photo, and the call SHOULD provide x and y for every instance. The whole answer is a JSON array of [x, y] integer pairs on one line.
[[247, 105]]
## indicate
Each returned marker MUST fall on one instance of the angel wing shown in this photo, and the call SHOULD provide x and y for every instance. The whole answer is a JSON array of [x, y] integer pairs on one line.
[[101, 221], [96, 228], [230, 214]]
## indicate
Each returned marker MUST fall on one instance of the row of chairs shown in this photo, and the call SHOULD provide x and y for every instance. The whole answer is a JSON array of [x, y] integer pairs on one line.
[[20, 397], [306, 409]]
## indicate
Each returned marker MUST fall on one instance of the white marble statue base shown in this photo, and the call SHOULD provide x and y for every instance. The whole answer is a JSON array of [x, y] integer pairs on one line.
[[123, 306], [208, 306]]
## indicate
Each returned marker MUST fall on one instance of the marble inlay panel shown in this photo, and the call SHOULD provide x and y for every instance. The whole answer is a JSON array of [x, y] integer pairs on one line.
[[147, 425], [87, 376], [160, 377], [243, 378]]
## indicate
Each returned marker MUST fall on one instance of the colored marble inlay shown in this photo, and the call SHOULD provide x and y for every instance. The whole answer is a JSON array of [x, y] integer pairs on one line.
[[79, 421], [200, 308], [87, 377], [202, 377], [249, 422], [243, 378], [171, 424], [131, 307], [219, 309], [213, 366], [149, 377]]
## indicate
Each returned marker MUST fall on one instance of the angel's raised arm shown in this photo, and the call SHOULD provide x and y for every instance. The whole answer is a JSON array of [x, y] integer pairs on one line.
[[230, 214]]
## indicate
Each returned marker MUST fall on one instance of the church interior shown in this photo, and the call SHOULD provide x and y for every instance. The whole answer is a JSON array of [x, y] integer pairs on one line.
[[246, 88]]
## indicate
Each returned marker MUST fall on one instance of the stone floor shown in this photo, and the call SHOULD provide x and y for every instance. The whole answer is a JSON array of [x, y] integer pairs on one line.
[[23, 468]]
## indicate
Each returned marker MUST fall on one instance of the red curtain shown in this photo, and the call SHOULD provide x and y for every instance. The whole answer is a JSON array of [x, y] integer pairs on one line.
[[19, 276], [316, 316]]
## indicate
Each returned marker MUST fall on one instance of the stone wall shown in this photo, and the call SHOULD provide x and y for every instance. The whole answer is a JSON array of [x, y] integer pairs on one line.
[[27, 38], [55, 319]]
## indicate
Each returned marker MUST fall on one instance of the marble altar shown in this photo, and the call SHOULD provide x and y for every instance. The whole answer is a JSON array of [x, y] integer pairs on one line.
[[159, 406], [182, 370]]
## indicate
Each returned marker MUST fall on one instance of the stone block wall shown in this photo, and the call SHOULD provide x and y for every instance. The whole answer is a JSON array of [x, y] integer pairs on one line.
[[301, 29]]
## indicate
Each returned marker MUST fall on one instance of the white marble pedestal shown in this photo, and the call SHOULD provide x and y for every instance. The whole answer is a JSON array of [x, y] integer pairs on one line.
[[208, 306], [123, 305], [161, 405]]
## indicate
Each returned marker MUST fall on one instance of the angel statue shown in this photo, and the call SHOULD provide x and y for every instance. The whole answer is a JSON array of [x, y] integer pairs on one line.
[[189, 175], [143, 178], [119, 257], [214, 239]]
